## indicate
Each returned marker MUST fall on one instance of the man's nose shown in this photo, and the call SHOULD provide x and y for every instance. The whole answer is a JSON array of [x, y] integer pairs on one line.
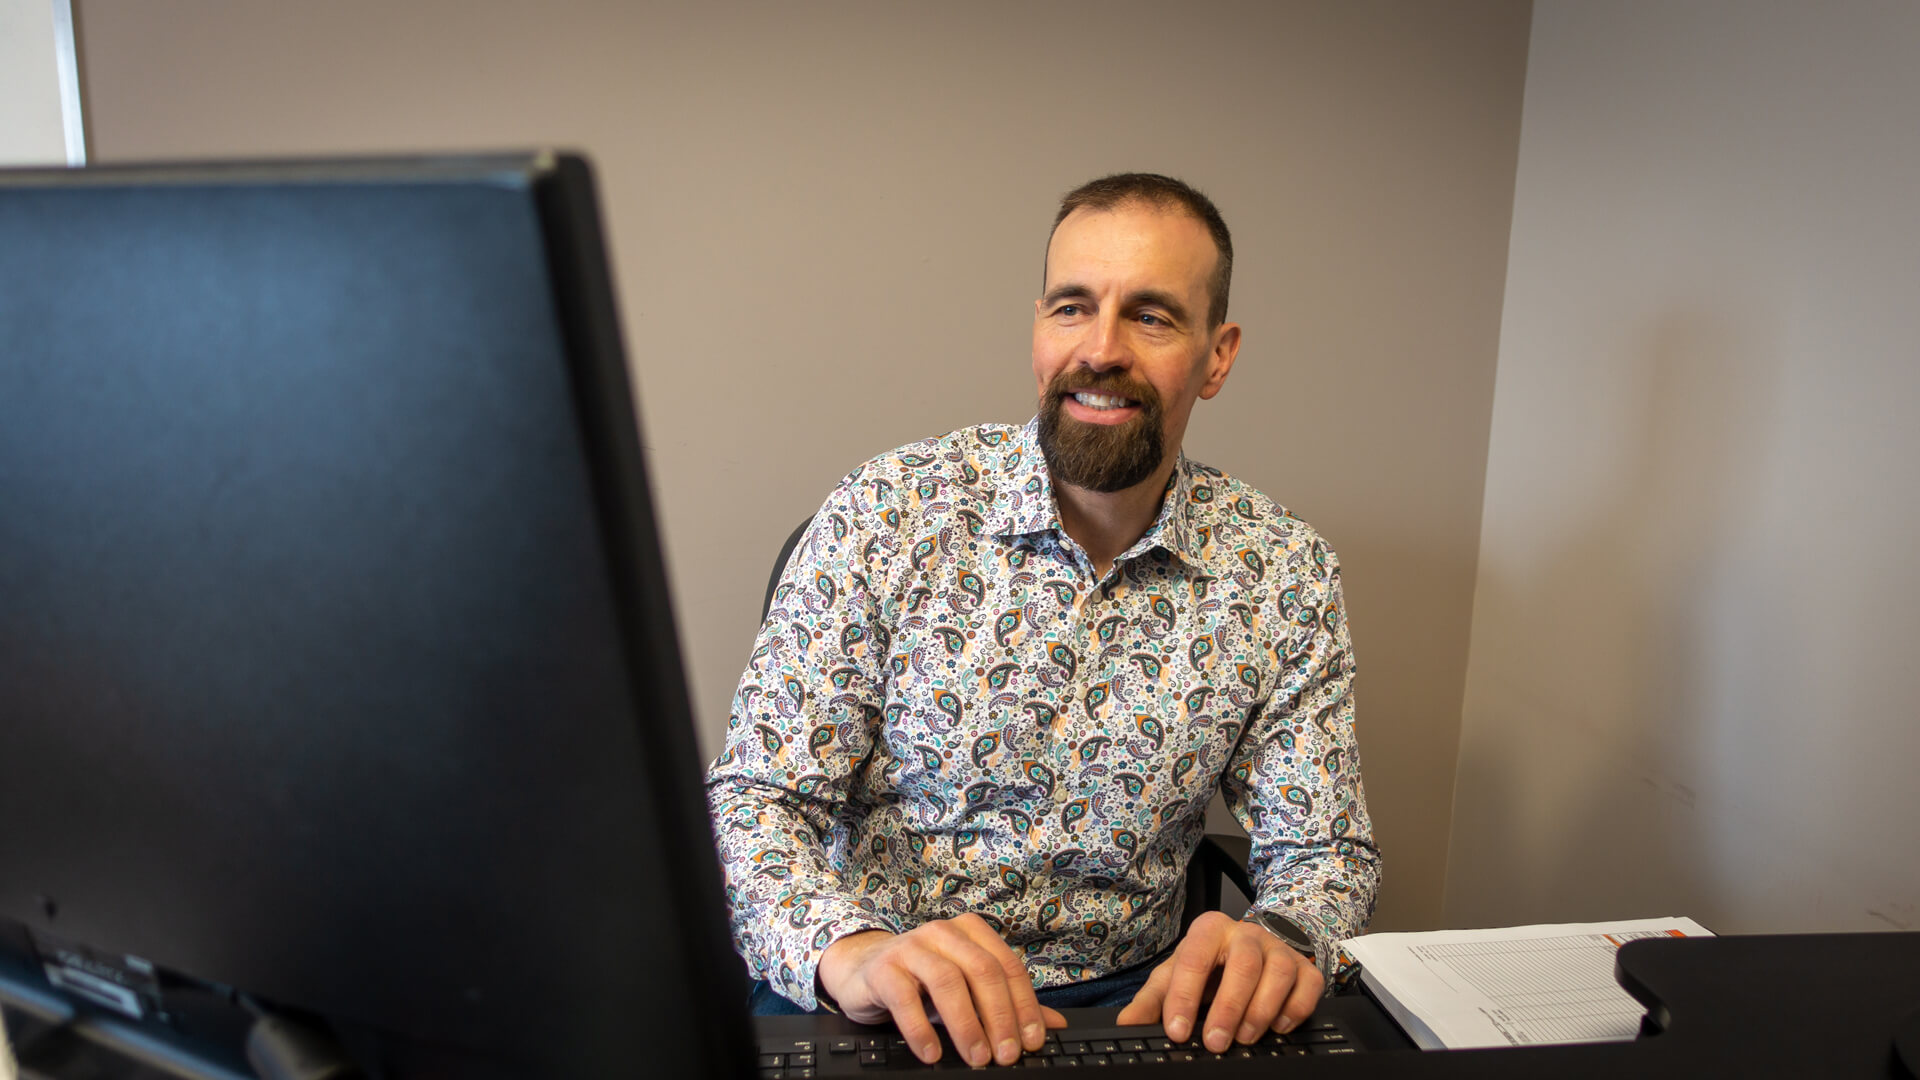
[[1106, 347]]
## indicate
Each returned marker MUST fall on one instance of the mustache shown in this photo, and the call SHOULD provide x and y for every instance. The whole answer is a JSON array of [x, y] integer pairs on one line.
[[1112, 383]]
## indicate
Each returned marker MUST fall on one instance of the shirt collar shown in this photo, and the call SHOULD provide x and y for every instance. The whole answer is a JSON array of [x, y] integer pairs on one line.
[[1023, 501]]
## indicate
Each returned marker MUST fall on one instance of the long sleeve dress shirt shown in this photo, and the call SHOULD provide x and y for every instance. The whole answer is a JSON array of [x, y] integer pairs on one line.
[[947, 710]]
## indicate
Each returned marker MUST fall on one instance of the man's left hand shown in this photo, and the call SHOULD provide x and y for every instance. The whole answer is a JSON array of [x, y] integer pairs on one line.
[[1263, 985]]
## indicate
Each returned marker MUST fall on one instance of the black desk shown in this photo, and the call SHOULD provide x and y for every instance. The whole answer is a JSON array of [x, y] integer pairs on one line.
[[1803, 1005], [1807, 1005]]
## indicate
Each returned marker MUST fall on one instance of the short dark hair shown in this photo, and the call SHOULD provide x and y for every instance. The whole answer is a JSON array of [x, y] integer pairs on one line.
[[1162, 192]]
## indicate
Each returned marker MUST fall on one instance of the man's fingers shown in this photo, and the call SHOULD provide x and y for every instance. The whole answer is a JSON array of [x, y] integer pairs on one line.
[[993, 1001], [1189, 970], [970, 991], [974, 980], [1145, 1006], [1241, 966], [899, 991], [1276, 981], [1261, 984], [1308, 984], [946, 985], [1032, 1026]]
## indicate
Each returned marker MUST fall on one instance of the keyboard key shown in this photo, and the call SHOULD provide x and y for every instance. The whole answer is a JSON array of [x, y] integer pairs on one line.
[[1036, 1063], [1322, 1037], [1133, 1046], [1180, 1055], [843, 1045], [1162, 1043], [1126, 1059], [1154, 1057], [799, 1074], [799, 1059], [1104, 1046], [773, 1074], [1094, 1059], [873, 1057]]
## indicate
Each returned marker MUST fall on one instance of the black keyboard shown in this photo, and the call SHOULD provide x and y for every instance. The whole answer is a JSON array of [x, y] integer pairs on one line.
[[805, 1058]]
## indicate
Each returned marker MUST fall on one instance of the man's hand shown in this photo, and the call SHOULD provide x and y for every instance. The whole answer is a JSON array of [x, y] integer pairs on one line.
[[1262, 984], [978, 987]]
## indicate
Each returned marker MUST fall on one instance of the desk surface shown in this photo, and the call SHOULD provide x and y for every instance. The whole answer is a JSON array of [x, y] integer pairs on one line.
[[1827, 1005]]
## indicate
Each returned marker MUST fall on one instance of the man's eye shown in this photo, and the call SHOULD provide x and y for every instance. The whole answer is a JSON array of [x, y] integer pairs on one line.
[[1151, 319], [1067, 309]]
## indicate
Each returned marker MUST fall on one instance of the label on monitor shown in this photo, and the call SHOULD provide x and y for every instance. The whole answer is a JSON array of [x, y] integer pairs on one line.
[[126, 984]]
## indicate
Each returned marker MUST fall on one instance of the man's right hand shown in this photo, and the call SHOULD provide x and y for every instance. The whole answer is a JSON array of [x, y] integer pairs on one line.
[[977, 985]]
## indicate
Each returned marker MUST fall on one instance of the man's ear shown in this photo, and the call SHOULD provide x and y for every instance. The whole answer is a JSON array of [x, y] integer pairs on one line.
[[1226, 346]]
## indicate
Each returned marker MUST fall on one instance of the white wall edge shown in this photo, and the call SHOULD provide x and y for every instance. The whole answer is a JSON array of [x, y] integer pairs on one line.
[[68, 63]]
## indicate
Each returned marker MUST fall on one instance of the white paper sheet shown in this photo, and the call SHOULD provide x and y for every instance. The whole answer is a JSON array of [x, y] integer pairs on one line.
[[1519, 986]]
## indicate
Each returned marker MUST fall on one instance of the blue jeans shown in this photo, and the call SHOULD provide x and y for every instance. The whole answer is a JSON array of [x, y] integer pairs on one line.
[[1106, 992]]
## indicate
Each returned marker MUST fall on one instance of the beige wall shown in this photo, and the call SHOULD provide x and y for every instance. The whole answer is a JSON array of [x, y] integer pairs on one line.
[[828, 221], [32, 131], [1692, 684]]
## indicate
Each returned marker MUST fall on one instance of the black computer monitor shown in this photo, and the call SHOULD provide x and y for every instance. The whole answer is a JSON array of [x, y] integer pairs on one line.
[[338, 680]]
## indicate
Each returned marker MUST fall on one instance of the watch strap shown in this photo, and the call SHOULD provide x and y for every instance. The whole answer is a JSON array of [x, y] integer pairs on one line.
[[1279, 926]]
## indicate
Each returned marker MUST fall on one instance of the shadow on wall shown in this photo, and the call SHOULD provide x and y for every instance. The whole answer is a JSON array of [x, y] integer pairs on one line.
[[1594, 773]]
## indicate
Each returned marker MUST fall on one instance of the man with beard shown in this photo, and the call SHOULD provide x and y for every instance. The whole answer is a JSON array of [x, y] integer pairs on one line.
[[1007, 669]]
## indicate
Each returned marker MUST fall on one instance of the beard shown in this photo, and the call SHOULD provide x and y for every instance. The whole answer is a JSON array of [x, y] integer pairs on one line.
[[1101, 457]]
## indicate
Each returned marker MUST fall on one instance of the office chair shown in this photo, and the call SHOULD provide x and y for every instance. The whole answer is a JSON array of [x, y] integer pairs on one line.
[[1218, 858]]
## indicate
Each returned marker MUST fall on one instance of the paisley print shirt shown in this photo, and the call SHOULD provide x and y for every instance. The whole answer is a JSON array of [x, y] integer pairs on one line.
[[947, 711]]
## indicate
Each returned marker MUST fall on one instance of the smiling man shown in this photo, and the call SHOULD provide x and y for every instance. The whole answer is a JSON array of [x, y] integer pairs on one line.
[[1008, 668]]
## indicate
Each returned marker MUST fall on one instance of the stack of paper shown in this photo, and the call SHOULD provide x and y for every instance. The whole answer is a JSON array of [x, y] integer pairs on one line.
[[1521, 986]]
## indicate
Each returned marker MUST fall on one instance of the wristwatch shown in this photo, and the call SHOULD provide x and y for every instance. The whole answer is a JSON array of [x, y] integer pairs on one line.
[[1282, 929]]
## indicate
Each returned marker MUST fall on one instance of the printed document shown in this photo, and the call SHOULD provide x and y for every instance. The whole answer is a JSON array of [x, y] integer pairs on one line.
[[1519, 986]]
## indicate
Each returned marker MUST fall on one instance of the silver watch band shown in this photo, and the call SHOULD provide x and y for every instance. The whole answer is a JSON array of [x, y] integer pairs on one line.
[[1281, 928]]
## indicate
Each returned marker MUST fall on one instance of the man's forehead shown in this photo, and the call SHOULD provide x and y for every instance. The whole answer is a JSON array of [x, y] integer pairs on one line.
[[1132, 233]]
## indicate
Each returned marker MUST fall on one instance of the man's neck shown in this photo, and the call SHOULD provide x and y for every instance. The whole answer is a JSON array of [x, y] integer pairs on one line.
[[1105, 524]]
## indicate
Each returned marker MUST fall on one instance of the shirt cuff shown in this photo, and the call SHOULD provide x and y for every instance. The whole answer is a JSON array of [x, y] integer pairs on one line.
[[800, 982], [1325, 946]]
